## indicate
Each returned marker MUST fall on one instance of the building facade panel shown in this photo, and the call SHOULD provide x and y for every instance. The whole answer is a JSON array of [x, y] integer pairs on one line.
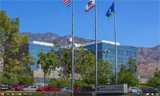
[[107, 51]]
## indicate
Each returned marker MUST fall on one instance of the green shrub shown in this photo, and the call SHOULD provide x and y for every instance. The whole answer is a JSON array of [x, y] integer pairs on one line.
[[59, 83]]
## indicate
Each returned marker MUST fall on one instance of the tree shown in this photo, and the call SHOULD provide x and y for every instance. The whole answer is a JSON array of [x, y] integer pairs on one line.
[[48, 62], [14, 49], [155, 80], [85, 66], [125, 76], [64, 56], [104, 72], [132, 65]]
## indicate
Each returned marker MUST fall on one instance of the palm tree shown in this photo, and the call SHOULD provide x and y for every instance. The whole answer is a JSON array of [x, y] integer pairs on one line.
[[48, 62]]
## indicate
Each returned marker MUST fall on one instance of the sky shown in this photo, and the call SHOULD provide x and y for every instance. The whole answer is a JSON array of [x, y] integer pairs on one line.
[[137, 21]]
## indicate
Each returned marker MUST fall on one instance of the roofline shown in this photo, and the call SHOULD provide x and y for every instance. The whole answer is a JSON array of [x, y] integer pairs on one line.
[[103, 41], [43, 43]]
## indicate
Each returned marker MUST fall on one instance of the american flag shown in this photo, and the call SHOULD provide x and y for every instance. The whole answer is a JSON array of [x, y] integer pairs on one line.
[[67, 2], [90, 5]]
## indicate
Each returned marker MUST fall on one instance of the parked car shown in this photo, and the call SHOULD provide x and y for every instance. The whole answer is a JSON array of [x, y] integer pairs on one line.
[[48, 89], [30, 88], [149, 91], [87, 89], [66, 90], [18, 87], [4, 87], [135, 90], [158, 88]]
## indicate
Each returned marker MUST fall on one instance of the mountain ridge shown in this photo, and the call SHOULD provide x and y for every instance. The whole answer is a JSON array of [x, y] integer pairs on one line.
[[54, 38]]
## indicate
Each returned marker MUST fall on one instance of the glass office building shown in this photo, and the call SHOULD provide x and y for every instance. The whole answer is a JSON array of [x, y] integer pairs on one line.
[[35, 48], [107, 51]]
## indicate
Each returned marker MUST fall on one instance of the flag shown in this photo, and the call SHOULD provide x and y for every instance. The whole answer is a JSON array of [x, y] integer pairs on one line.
[[67, 2], [90, 5], [111, 10]]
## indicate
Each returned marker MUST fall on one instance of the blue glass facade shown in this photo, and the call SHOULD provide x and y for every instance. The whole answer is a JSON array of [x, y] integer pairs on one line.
[[107, 51], [35, 49]]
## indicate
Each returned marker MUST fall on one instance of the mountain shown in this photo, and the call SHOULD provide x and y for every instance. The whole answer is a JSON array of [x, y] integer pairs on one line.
[[149, 62], [47, 37], [149, 55], [54, 38]]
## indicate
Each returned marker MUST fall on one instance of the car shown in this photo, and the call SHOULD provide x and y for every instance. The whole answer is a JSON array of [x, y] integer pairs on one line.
[[30, 88], [48, 89], [18, 87], [158, 88], [66, 90], [4, 87], [149, 91], [135, 90], [87, 89]]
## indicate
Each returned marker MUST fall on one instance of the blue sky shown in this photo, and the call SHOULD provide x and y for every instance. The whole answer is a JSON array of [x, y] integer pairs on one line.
[[137, 21]]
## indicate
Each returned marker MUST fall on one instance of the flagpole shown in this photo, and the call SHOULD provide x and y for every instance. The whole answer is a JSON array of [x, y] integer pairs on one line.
[[72, 81], [96, 46], [116, 51]]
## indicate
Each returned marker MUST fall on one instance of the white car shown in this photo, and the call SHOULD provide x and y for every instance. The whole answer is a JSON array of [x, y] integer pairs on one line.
[[135, 90], [66, 90], [30, 88]]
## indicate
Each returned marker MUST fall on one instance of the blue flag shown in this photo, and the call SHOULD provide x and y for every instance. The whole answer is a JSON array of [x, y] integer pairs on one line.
[[110, 11]]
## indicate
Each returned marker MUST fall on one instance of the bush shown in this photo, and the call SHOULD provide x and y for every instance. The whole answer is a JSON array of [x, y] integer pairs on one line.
[[8, 78], [25, 80], [59, 83], [82, 83], [155, 80]]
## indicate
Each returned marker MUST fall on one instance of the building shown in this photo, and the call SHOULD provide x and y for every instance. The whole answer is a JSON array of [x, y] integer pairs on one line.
[[35, 47], [38, 75], [106, 51]]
